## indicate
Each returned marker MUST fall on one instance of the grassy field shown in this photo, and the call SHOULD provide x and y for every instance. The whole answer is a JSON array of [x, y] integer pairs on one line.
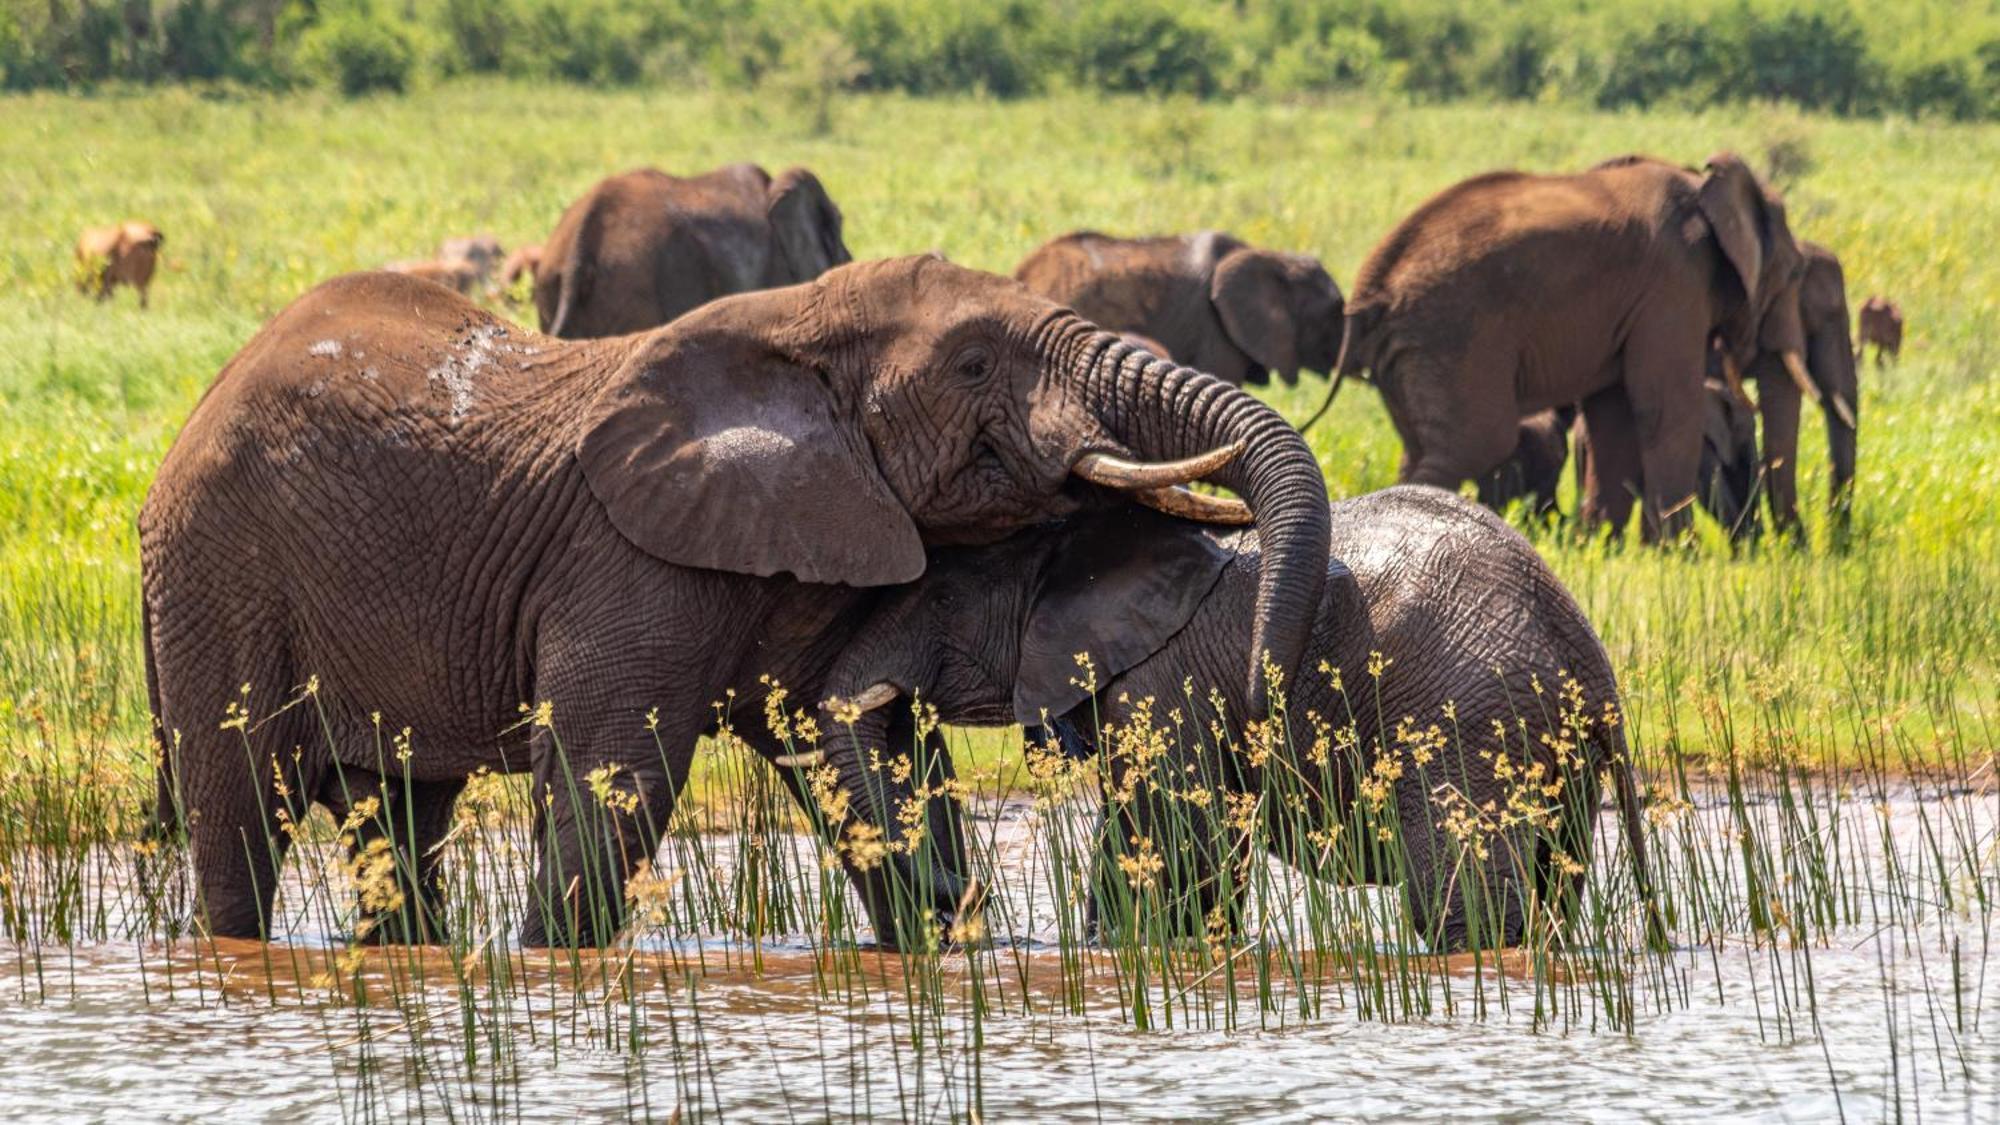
[[1889, 646]]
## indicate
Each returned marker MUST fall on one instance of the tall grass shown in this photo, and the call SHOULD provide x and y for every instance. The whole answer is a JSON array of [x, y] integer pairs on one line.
[[1816, 724]]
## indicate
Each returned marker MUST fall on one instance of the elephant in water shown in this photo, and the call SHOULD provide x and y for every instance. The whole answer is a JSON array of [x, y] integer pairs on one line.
[[1215, 303], [1513, 293], [432, 519], [1436, 617], [643, 247], [125, 254]]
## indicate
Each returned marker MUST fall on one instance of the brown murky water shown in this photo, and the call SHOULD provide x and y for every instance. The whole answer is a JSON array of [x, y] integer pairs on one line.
[[1896, 1018]]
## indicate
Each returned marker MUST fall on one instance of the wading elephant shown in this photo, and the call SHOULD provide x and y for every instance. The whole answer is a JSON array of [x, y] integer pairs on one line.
[[1439, 596], [122, 255], [1882, 326], [1216, 304], [1816, 306], [643, 247], [1513, 293], [421, 512]]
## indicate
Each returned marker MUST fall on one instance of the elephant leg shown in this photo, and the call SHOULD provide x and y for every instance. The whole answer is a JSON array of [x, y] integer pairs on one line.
[[1168, 868], [1608, 461], [1779, 402], [409, 818], [1454, 428], [1663, 384]]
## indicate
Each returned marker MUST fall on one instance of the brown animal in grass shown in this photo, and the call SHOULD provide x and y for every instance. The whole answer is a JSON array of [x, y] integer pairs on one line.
[[1882, 326], [122, 255]]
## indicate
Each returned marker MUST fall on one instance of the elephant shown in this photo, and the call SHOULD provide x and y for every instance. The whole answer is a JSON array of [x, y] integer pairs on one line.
[[457, 276], [521, 263], [1533, 473], [1433, 607], [1731, 475], [1233, 310], [126, 254], [482, 252], [434, 520], [642, 247], [1512, 293], [1882, 326], [1816, 306]]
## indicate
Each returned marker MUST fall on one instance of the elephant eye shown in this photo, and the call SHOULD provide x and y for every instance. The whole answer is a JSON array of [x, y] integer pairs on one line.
[[975, 363]]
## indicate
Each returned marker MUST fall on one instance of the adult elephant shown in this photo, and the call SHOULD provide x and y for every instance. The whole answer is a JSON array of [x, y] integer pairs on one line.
[[1512, 293], [1436, 616], [643, 247], [1215, 303], [1825, 373], [424, 514]]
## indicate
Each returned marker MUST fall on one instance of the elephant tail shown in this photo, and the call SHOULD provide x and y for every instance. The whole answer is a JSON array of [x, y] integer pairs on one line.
[[1357, 345], [166, 821], [1632, 818], [573, 273]]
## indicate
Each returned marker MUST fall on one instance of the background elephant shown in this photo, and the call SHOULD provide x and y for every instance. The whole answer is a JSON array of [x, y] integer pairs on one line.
[[1513, 293], [1534, 472], [521, 263], [122, 255], [1731, 476], [1441, 598], [643, 247], [1817, 305], [1216, 304], [422, 513], [1882, 326]]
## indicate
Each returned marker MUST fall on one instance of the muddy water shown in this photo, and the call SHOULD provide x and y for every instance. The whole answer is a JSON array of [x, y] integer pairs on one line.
[[1879, 1021]]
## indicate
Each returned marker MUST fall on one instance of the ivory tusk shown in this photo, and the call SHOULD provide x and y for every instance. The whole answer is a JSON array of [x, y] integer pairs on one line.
[[1131, 476], [804, 761], [1795, 366], [1844, 411], [1734, 378], [1198, 506], [877, 695]]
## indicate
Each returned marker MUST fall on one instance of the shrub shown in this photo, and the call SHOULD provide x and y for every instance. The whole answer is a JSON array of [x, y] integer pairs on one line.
[[478, 31], [1143, 48], [1348, 58], [359, 54], [1817, 59], [1940, 86], [1675, 58]]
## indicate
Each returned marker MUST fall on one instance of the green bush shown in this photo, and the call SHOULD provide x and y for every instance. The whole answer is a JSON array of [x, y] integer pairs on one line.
[[1143, 48], [1348, 58], [358, 54]]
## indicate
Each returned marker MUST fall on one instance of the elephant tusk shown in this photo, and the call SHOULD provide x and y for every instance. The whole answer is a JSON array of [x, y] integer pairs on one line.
[[804, 761], [1198, 506], [1842, 410], [1133, 476], [877, 695], [1734, 378], [1795, 366], [972, 902]]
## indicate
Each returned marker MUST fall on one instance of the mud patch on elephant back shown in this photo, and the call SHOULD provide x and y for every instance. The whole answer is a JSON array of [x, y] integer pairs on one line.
[[457, 375], [325, 349]]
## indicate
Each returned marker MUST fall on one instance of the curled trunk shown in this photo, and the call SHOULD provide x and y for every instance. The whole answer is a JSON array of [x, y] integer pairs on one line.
[[1159, 411]]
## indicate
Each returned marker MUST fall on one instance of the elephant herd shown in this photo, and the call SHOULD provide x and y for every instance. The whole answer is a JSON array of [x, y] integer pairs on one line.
[[736, 465]]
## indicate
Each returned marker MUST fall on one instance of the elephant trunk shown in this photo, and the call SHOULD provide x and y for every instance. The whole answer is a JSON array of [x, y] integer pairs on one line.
[[1160, 411], [1830, 361]]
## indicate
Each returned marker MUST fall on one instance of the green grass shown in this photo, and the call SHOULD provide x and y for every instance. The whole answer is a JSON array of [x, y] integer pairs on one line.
[[261, 197]]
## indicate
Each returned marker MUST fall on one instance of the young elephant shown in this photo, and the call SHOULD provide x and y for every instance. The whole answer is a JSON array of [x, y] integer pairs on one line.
[[1215, 303], [122, 255], [1469, 631], [643, 247]]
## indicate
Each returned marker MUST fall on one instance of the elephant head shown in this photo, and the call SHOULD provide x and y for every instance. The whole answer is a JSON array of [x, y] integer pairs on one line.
[[1281, 310], [1762, 263], [805, 228], [834, 430]]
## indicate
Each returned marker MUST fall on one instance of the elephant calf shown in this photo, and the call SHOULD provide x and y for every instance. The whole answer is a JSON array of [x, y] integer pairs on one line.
[[1214, 303], [1460, 694], [1882, 326], [122, 255]]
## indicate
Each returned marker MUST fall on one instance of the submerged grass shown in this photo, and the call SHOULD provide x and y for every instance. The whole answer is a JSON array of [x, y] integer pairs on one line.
[[1816, 725]]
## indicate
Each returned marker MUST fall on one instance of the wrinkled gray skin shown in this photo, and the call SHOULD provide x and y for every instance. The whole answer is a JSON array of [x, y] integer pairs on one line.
[[643, 247], [440, 517], [1439, 586], [1214, 303]]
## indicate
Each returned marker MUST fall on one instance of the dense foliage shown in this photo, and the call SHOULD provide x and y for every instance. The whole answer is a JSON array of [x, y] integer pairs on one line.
[[1844, 56]]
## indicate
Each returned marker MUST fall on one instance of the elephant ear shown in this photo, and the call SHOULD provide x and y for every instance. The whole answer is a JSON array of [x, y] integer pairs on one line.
[[728, 456], [1252, 295], [1732, 201], [1118, 589], [805, 225]]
